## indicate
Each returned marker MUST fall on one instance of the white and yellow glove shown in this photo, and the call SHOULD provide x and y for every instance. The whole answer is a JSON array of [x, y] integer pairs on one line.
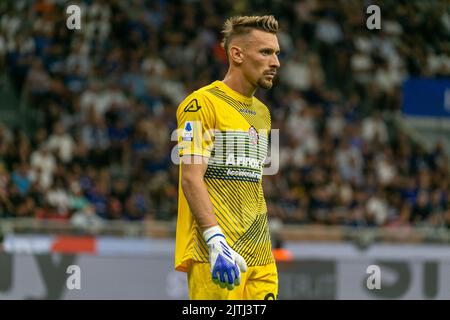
[[226, 264]]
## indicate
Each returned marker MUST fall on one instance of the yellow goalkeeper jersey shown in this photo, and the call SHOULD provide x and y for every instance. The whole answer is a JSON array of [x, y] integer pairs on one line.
[[232, 131]]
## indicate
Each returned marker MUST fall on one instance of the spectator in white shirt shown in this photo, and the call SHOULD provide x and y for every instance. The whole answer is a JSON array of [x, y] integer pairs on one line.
[[61, 143], [43, 165], [374, 126]]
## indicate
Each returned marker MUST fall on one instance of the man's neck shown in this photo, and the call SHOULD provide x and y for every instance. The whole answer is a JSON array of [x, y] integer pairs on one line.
[[239, 84]]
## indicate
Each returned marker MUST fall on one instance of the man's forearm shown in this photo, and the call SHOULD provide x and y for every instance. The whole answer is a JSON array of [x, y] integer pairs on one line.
[[199, 202]]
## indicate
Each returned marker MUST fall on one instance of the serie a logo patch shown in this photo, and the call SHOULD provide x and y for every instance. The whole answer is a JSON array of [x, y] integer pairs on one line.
[[188, 132]]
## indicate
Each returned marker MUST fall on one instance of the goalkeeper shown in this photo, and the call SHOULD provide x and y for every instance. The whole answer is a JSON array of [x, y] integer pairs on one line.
[[222, 235]]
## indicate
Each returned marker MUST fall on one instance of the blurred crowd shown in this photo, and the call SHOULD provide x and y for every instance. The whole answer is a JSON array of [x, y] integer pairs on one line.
[[107, 96]]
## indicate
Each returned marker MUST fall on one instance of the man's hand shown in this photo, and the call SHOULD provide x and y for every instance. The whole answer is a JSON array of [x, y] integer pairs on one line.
[[226, 264]]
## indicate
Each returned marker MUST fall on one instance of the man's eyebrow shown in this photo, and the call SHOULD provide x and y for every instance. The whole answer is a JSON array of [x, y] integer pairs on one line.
[[277, 51], [269, 49]]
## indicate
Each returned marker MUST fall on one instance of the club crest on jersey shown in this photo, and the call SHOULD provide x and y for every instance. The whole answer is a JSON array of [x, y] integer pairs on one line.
[[188, 132], [253, 135]]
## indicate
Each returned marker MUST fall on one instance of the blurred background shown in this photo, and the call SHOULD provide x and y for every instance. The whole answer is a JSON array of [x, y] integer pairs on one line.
[[86, 118]]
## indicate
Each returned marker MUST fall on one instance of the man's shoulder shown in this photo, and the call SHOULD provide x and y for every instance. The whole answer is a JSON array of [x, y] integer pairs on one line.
[[207, 88], [198, 100], [203, 92]]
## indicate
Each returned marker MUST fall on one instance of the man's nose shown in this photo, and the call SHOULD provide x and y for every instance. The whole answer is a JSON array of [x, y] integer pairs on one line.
[[275, 62]]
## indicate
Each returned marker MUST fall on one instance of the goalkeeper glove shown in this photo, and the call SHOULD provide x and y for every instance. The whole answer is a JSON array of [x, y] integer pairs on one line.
[[226, 264]]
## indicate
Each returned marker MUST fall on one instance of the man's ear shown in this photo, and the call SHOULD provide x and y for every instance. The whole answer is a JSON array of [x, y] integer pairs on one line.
[[236, 54]]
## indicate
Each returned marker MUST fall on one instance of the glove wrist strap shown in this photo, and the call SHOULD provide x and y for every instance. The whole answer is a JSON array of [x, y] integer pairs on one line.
[[211, 232]]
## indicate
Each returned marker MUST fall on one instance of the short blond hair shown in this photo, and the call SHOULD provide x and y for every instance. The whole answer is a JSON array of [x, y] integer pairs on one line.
[[240, 25]]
